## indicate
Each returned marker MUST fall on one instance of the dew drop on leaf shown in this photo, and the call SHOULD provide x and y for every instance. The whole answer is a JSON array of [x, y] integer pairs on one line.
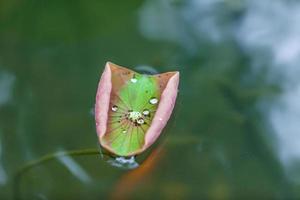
[[146, 112], [140, 121], [114, 108], [153, 101], [133, 80]]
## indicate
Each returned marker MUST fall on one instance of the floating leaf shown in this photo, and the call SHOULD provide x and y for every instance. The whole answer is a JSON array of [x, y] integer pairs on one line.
[[132, 109]]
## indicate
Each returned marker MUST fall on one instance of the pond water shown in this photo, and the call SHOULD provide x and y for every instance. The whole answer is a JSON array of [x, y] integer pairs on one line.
[[234, 133]]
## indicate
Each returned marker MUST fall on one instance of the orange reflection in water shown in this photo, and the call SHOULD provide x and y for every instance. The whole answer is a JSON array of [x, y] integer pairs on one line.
[[132, 179]]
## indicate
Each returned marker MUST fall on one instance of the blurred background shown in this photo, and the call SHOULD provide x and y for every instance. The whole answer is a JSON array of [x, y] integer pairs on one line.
[[235, 130]]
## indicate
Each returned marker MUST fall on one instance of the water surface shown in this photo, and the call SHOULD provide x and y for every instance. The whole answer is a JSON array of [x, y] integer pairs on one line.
[[234, 133]]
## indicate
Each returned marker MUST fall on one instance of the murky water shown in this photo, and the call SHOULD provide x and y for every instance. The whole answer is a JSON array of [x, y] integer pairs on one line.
[[235, 130]]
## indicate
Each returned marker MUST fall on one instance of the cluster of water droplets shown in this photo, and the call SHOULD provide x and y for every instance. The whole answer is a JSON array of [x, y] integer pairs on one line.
[[136, 117]]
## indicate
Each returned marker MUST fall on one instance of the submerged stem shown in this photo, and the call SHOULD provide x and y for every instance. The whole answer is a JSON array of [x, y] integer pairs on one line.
[[44, 159]]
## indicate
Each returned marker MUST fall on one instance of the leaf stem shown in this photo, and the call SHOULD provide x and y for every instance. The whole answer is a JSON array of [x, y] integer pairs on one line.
[[43, 160]]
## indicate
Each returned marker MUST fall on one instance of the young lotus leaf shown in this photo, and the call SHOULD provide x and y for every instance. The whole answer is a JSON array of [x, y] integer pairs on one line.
[[132, 109]]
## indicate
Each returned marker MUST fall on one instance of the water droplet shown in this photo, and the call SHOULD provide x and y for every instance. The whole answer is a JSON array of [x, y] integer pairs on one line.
[[114, 108], [146, 112], [133, 80], [153, 100], [124, 131], [140, 121], [160, 119]]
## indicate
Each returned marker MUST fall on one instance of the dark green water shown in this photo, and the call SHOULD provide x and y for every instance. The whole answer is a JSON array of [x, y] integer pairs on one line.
[[221, 142]]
